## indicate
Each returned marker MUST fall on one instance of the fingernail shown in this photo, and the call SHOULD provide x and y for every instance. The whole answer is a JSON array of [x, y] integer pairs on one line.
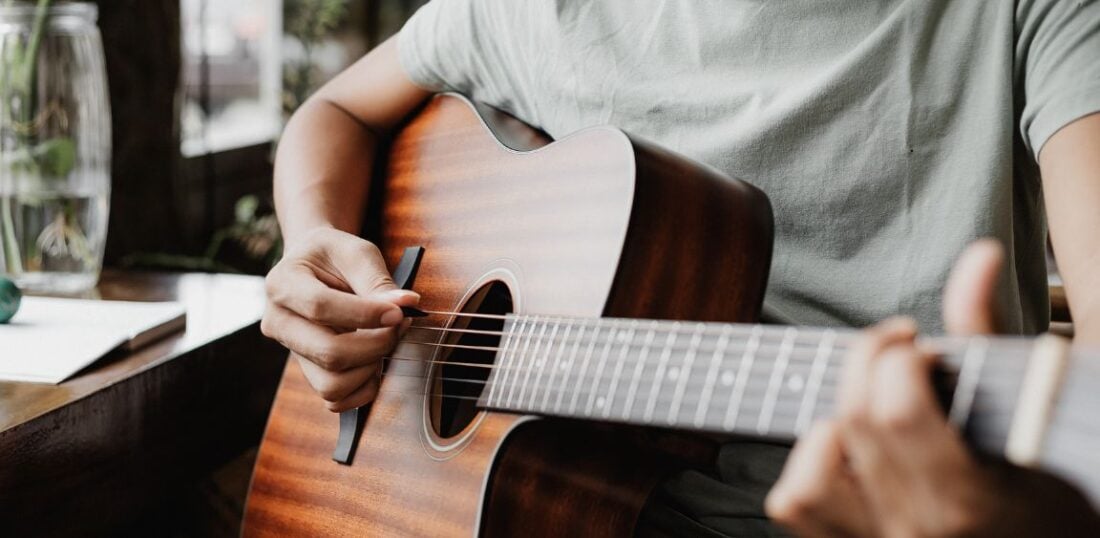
[[395, 295], [391, 317]]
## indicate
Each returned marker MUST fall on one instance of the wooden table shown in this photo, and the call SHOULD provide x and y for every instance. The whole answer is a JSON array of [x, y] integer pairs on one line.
[[88, 456]]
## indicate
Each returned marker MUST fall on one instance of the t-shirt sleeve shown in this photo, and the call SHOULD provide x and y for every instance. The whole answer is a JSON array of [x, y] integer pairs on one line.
[[465, 46], [1058, 63]]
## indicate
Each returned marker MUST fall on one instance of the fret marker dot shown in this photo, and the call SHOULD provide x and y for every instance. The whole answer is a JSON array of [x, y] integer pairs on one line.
[[600, 401], [727, 378], [795, 383], [673, 373], [564, 366], [539, 363], [621, 337]]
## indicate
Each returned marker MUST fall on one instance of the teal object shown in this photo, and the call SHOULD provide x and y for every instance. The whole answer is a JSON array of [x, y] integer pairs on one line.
[[10, 297]]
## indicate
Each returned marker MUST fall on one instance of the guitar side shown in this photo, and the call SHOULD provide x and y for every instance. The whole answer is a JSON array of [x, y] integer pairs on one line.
[[590, 225]]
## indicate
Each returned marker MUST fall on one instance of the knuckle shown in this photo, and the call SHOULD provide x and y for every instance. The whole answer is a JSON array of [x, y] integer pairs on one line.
[[329, 390], [312, 307], [277, 290], [267, 327], [899, 418], [382, 281], [367, 248], [853, 421], [328, 357], [788, 507], [272, 287]]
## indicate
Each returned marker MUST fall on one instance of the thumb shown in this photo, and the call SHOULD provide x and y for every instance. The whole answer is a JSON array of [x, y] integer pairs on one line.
[[968, 299]]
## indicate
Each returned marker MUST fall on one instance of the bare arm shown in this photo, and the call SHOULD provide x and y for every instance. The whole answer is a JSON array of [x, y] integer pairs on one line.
[[1070, 163], [325, 155], [330, 299]]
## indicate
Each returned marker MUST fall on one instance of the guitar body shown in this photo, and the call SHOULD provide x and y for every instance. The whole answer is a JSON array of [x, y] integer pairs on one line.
[[596, 224]]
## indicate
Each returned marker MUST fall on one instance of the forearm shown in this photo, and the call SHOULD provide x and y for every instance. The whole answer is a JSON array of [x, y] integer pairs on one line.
[[1070, 164], [325, 159], [322, 170]]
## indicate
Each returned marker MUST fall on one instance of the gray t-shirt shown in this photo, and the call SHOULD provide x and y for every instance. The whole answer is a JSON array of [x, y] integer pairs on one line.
[[888, 134]]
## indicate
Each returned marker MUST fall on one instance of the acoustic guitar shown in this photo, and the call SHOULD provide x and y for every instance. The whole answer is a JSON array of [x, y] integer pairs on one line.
[[592, 327]]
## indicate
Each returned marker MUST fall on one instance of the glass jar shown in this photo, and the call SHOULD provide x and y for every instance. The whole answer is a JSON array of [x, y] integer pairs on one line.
[[55, 147]]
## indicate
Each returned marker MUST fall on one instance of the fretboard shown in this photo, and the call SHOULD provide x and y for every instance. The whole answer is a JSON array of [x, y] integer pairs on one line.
[[756, 380]]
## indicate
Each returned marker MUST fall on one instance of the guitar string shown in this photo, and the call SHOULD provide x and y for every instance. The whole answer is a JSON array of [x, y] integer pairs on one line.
[[829, 379], [776, 332], [828, 384], [819, 412], [943, 345], [749, 413], [749, 410], [801, 355]]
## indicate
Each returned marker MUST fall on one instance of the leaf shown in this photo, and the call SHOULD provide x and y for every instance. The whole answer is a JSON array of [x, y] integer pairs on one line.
[[56, 157], [245, 208]]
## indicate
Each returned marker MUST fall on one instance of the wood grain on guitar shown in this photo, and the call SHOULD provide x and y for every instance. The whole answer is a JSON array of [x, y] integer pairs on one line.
[[552, 256]]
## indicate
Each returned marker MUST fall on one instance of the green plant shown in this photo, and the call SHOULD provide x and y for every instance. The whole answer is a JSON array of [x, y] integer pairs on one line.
[[252, 244], [309, 22], [33, 158]]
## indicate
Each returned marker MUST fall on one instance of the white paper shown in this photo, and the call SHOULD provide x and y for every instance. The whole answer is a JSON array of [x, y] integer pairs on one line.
[[51, 339]]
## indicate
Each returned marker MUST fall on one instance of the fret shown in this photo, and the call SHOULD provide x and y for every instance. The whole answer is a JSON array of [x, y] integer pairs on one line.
[[541, 364], [813, 385], [720, 377], [741, 379], [584, 369], [779, 367], [712, 377], [495, 374], [555, 367], [685, 374], [619, 367], [522, 361], [531, 362], [967, 384], [638, 368], [504, 368], [659, 377], [594, 394], [567, 368]]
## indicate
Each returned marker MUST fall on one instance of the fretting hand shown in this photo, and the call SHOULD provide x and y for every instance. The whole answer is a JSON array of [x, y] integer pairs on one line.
[[890, 464]]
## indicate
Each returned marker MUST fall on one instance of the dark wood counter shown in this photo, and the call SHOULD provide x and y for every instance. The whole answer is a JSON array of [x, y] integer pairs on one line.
[[90, 455]]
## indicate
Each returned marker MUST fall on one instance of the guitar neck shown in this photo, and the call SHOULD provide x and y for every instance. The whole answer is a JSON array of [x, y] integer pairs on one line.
[[758, 380]]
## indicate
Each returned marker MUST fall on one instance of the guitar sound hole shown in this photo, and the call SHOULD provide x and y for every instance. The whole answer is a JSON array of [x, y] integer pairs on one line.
[[460, 380]]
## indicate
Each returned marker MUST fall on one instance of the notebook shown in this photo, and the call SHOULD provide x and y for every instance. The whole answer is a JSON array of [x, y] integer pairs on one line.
[[51, 339]]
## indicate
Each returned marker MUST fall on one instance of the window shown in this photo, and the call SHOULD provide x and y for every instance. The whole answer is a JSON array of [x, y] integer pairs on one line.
[[231, 74]]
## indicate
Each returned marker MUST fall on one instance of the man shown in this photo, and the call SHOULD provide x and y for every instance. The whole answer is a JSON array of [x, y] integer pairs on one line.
[[888, 135]]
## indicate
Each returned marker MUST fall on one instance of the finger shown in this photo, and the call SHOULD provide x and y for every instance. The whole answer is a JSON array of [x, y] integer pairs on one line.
[[903, 402], [304, 294], [898, 417], [361, 265], [324, 346], [815, 495], [358, 398], [332, 386], [968, 301], [855, 377]]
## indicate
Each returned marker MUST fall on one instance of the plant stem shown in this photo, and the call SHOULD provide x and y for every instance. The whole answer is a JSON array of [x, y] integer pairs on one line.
[[31, 59]]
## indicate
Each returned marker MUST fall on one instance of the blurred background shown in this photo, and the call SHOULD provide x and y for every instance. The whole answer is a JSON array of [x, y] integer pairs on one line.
[[200, 90]]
